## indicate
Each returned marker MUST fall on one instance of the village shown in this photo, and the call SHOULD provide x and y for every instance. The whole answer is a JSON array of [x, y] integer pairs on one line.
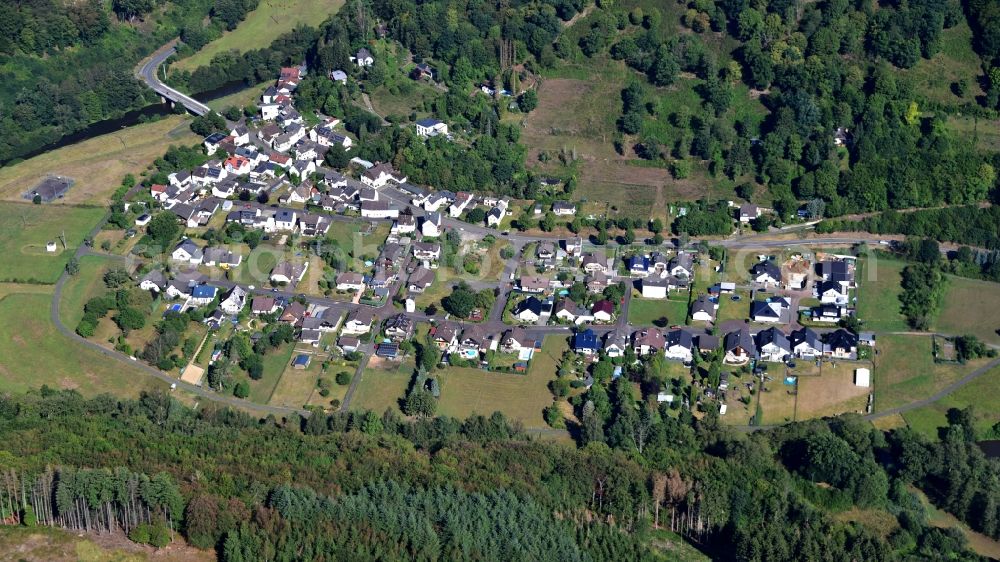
[[360, 268]]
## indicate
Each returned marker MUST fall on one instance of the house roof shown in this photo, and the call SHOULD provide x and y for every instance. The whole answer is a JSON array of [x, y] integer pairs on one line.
[[362, 315], [586, 339], [708, 341], [682, 338], [682, 259], [835, 270], [740, 339], [293, 312], [190, 247], [421, 277], [429, 122], [649, 337], [203, 292], [807, 336], [841, 339], [702, 304], [530, 303], [766, 267], [603, 306], [773, 336], [763, 308], [447, 331], [351, 278]]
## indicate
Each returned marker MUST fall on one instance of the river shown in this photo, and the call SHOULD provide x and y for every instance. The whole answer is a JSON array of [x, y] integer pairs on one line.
[[129, 119]]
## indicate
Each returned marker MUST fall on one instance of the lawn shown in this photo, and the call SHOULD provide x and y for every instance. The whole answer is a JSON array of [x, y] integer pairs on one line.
[[242, 98], [98, 164], [729, 309], [256, 267], [82, 287], [467, 391], [970, 306], [275, 362], [382, 385], [646, 312], [905, 370], [262, 26], [981, 394], [26, 228], [298, 388], [33, 353], [878, 295]]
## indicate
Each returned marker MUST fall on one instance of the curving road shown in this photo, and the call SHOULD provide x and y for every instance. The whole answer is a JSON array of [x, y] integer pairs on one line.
[[146, 72]]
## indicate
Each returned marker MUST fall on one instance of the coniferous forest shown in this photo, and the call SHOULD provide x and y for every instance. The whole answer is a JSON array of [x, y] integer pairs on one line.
[[365, 486]]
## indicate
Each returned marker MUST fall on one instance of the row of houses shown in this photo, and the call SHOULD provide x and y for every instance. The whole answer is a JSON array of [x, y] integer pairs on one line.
[[772, 344]]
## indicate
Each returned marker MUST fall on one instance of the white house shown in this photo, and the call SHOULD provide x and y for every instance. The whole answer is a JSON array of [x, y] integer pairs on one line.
[[188, 251], [679, 345], [381, 174], [529, 310], [431, 128], [288, 273], [359, 321], [235, 301], [378, 210], [497, 213], [832, 292], [426, 251], [772, 345], [363, 58], [350, 281], [285, 219], [462, 200], [703, 309], [431, 225], [269, 111], [766, 273], [654, 288]]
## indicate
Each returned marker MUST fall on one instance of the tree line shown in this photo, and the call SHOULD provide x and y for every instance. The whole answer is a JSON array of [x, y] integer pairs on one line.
[[399, 488]]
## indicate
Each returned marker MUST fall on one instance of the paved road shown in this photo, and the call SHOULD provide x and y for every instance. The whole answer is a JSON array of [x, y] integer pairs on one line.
[[147, 73]]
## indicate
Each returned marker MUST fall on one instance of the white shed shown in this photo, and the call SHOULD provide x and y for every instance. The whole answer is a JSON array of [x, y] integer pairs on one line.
[[862, 377]]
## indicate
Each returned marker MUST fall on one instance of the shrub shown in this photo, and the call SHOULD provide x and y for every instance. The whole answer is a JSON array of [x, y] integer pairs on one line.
[[344, 378]]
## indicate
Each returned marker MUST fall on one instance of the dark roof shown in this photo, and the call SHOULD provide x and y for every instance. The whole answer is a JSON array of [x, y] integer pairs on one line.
[[603, 306], [680, 337], [702, 304], [808, 336], [530, 303], [768, 267], [835, 270], [741, 338], [775, 336], [429, 122], [762, 308], [586, 339], [841, 339]]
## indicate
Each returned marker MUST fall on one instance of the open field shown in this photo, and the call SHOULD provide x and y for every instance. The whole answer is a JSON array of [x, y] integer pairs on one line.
[[933, 78], [644, 312], [970, 306], [878, 295], [275, 362], [26, 228], [242, 98], [262, 26], [832, 392], [23, 288], [298, 387], [98, 164], [33, 353], [469, 391], [986, 132], [981, 394], [82, 287], [905, 370], [44, 544], [382, 385]]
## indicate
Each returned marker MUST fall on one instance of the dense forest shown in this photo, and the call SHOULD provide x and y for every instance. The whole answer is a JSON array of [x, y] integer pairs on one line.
[[378, 486], [65, 65]]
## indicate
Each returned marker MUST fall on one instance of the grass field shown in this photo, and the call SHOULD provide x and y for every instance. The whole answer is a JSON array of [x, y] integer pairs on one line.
[[82, 287], [472, 391], [980, 393], [275, 363], [298, 388], [878, 295], [44, 544], [26, 228], [905, 370], [98, 164], [382, 384], [644, 312], [262, 26], [970, 306], [242, 98], [33, 353], [933, 78], [985, 132]]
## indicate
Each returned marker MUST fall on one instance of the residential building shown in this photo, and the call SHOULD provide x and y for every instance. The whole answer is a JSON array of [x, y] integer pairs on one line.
[[431, 128], [234, 301], [359, 321], [586, 342], [654, 288], [679, 345], [766, 273], [648, 341], [529, 310], [773, 345], [739, 346]]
